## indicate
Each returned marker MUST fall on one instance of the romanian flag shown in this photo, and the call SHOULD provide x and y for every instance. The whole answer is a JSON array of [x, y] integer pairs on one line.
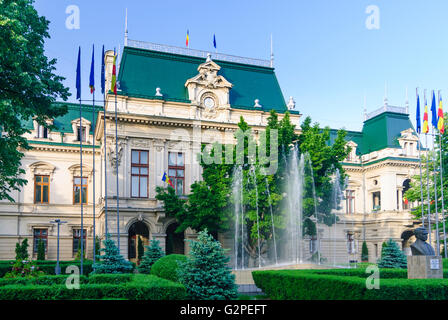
[[113, 86], [188, 39], [425, 119], [167, 180], [440, 124]]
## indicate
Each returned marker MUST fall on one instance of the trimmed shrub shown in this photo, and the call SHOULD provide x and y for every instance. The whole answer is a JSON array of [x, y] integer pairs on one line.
[[147, 288], [153, 253], [348, 284], [166, 267], [42, 280], [48, 266], [111, 278]]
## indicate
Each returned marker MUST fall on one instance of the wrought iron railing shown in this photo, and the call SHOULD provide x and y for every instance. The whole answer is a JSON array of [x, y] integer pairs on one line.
[[197, 53], [386, 108]]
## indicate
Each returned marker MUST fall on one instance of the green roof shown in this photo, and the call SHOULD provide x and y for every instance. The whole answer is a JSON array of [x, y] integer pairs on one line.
[[63, 123], [379, 132], [142, 71]]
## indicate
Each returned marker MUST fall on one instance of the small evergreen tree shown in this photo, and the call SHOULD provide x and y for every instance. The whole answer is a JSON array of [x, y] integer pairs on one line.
[[392, 256], [22, 250], [112, 261], [140, 249], [40, 250], [153, 253], [205, 274], [364, 252]]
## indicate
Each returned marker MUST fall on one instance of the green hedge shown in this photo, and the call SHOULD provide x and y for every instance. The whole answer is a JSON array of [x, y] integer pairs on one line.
[[166, 267], [49, 266], [147, 288], [116, 278], [346, 284], [42, 280]]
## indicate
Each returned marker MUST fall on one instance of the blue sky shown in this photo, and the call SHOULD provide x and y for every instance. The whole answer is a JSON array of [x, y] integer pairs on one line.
[[325, 57]]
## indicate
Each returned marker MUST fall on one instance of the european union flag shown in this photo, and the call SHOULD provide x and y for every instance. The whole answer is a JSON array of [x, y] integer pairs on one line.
[[92, 72], [214, 41], [78, 76], [434, 119], [419, 128], [103, 74]]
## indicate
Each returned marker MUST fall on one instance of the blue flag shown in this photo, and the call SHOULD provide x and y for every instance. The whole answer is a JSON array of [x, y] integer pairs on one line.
[[92, 72], [214, 41], [103, 77], [78, 76], [434, 119], [419, 128]]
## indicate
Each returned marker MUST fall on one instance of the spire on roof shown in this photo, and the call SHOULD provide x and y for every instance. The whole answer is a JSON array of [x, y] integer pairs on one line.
[[385, 95], [126, 29], [406, 103], [272, 53]]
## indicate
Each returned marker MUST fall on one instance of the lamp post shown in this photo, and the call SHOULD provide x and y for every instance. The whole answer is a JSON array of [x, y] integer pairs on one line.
[[57, 268]]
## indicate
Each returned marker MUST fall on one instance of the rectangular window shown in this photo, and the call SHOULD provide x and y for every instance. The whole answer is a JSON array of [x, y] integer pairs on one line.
[[41, 189], [77, 240], [176, 171], [350, 201], [40, 234], [79, 190], [139, 174], [83, 134], [376, 198]]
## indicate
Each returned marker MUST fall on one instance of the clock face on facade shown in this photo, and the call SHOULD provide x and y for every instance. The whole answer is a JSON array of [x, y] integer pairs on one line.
[[209, 102]]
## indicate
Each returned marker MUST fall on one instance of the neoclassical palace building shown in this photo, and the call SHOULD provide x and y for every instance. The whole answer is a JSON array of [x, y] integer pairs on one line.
[[170, 101]]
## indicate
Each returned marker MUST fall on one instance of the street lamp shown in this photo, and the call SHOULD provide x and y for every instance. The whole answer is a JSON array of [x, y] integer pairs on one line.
[[57, 268]]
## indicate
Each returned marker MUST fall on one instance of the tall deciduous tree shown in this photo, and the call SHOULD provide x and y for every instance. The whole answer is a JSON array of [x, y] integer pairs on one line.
[[28, 86]]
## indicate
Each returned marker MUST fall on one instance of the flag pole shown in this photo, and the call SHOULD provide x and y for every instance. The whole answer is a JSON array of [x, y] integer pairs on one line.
[[92, 83], [78, 84], [103, 91], [441, 191], [427, 173], [116, 160], [420, 158], [434, 124], [441, 130]]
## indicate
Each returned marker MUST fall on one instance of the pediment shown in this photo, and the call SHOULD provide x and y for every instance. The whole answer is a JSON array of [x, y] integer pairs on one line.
[[408, 134]]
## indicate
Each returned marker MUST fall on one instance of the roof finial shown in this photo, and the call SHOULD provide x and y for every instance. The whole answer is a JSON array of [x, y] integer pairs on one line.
[[365, 107], [272, 53], [385, 96], [406, 103], [126, 29]]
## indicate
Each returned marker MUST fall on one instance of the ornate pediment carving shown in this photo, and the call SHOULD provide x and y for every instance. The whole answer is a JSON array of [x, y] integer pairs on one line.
[[208, 90]]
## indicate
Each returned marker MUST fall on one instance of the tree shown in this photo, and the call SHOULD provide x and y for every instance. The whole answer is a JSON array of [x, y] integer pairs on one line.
[[153, 253], [28, 86], [205, 274], [364, 252], [40, 250], [78, 252], [112, 261], [392, 256]]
